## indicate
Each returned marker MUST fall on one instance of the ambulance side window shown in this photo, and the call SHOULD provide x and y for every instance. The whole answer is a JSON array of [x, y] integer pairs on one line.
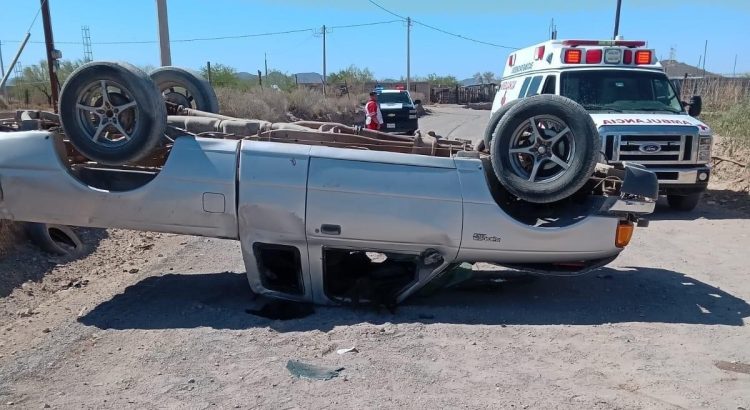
[[549, 84], [524, 87], [534, 86]]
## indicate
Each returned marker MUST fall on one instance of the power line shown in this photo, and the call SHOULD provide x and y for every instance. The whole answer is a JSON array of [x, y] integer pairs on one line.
[[238, 36], [367, 24], [36, 16], [386, 10], [441, 30]]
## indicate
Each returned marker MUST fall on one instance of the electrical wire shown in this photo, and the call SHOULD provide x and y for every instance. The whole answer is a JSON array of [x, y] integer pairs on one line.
[[443, 31], [36, 16], [238, 36]]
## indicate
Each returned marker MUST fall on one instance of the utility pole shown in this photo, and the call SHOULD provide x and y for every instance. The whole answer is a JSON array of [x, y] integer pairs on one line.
[[617, 20], [734, 70], [408, 53], [14, 61], [208, 71], [324, 59], [265, 58], [2, 68], [164, 51], [705, 51], [52, 54]]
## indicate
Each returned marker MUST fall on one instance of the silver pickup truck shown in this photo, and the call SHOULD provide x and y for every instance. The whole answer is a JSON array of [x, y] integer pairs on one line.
[[327, 224]]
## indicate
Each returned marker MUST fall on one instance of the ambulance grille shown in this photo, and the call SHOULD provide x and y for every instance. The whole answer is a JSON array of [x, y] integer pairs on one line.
[[649, 148]]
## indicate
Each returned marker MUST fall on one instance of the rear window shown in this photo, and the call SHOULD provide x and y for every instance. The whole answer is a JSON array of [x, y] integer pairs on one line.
[[390, 98]]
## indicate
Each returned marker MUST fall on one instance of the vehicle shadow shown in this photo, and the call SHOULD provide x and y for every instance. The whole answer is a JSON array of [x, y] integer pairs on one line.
[[638, 294], [25, 262], [715, 205]]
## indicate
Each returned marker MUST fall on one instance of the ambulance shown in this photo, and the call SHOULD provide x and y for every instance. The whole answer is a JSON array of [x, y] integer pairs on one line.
[[639, 115]]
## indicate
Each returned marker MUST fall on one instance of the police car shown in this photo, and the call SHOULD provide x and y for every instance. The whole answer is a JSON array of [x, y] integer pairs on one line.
[[399, 111], [635, 107]]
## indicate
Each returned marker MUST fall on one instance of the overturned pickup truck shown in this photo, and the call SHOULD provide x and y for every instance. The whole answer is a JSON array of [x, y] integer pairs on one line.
[[325, 213]]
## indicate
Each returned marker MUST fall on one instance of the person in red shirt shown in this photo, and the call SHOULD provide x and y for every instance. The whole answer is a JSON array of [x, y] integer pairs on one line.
[[374, 118]]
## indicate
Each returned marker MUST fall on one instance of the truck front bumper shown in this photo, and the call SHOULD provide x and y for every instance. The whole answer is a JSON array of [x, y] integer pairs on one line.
[[682, 180]]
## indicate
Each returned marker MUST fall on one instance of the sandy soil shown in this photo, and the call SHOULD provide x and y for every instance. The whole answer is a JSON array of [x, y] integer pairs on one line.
[[160, 321]]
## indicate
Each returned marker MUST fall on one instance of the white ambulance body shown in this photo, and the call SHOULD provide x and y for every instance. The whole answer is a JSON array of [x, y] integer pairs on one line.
[[639, 116]]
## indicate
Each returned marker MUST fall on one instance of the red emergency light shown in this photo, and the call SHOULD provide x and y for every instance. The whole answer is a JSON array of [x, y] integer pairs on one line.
[[539, 53], [573, 56], [627, 57], [511, 60], [643, 57], [594, 56], [399, 87], [619, 43]]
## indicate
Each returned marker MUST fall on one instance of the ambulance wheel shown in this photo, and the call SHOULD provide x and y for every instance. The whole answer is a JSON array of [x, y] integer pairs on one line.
[[494, 121], [112, 112], [186, 88], [684, 203], [544, 148]]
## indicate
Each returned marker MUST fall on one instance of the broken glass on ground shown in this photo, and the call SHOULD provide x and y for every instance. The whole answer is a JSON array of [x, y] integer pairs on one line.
[[311, 371]]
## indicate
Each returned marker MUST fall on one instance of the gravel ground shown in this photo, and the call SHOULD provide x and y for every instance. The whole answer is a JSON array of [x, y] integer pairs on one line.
[[160, 321]]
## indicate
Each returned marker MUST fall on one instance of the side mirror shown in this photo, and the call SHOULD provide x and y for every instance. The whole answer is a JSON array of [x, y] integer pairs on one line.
[[696, 106], [417, 102]]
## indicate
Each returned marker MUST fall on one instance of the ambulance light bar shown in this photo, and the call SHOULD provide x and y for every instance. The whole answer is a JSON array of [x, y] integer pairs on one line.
[[607, 56], [608, 43]]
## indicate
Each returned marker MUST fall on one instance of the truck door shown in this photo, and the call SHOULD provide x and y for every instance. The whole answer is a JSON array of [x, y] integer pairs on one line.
[[385, 203]]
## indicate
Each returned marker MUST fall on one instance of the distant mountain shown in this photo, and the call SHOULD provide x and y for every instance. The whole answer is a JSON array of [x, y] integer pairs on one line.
[[676, 69], [244, 75], [309, 78]]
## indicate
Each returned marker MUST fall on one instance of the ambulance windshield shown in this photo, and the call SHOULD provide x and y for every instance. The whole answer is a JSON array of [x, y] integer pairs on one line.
[[620, 91]]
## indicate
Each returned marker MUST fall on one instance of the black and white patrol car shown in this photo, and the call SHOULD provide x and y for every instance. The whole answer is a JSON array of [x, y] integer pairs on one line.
[[399, 111]]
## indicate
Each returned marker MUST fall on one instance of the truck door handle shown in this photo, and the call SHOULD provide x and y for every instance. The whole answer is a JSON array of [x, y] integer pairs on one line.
[[330, 229]]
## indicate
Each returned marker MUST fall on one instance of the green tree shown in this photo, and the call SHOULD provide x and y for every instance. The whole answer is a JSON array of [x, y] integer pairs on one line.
[[441, 80], [488, 77], [35, 78], [282, 80], [351, 75], [222, 76], [478, 78]]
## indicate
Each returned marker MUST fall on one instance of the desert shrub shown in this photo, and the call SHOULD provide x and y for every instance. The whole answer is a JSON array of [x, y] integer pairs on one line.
[[302, 103], [250, 104], [733, 125]]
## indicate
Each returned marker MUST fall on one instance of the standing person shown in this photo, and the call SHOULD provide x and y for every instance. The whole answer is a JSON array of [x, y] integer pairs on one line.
[[374, 118]]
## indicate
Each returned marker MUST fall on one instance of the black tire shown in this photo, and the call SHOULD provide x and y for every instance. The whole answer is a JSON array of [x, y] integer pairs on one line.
[[575, 144], [684, 203], [186, 87], [93, 123], [54, 239], [489, 132]]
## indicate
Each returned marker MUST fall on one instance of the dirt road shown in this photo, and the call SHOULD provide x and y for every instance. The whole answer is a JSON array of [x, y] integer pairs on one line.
[[159, 321], [455, 121]]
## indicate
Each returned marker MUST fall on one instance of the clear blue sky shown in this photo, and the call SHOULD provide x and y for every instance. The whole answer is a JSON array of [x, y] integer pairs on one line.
[[682, 24]]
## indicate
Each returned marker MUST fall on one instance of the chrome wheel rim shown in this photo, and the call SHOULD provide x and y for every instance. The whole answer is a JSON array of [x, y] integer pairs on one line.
[[542, 149], [108, 113]]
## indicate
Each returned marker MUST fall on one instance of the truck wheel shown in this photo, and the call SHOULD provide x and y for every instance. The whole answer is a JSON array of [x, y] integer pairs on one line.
[[55, 239], [684, 203], [186, 88], [545, 148], [112, 112], [489, 132]]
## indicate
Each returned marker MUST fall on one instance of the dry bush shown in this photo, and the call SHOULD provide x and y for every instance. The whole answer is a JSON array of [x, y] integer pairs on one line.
[[247, 104], [275, 106]]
